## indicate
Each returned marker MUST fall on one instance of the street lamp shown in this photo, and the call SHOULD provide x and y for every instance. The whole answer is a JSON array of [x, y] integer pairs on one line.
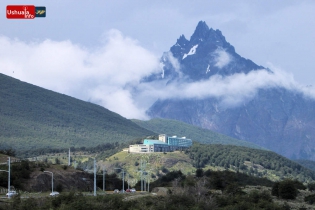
[[104, 178], [52, 180], [123, 180], [94, 177], [128, 181], [8, 175]]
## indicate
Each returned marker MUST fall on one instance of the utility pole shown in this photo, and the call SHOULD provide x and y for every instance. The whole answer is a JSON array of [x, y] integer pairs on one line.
[[9, 175], [145, 183], [141, 175], [128, 180], [123, 179], [104, 178], [94, 177], [148, 183], [142, 167], [69, 162], [9, 162]]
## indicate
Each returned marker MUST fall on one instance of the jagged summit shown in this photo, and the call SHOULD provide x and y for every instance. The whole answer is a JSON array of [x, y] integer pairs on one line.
[[182, 41], [204, 33], [206, 53], [201, 31], [277, 118]]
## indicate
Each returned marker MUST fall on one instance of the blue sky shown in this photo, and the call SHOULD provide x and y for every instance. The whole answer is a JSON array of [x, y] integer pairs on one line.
[[81, 46]]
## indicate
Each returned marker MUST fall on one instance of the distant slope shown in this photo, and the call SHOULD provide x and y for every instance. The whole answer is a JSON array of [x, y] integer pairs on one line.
[[274, 116], [256, 162], [174, 127], [310, 164], [32, 117]]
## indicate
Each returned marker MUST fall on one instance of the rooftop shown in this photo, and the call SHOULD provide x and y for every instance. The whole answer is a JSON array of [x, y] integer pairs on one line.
[[152, 141]]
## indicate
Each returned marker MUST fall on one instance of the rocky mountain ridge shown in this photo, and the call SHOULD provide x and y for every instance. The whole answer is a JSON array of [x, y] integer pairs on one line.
[[276, 118]]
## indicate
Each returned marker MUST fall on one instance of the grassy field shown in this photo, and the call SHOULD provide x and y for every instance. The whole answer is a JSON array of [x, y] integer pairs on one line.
[[154, 164], [63, 158]]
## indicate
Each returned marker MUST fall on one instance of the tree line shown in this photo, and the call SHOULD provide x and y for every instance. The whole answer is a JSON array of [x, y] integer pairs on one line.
[[252, 161]]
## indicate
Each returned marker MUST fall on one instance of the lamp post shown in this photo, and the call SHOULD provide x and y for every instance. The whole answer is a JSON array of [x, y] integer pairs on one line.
[[52, 180], [123, 180], [104, 178], [94, 177], [8, 171], [148, 182], [128, 180]]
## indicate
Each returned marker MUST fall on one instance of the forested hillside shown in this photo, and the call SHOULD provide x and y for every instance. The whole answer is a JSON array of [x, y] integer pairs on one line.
[[255, 162], [32, 117], [205, 136], [307, 164]]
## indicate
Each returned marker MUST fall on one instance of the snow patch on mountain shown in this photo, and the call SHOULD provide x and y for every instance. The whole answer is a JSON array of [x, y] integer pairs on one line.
[[191, 51], [162, 67], [208, 69]]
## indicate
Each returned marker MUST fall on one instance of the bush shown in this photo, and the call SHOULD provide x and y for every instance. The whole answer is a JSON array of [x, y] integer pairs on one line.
[[275, 189], [59, 187], [299, 185], [287, 189], [310, 199], [311, 186], [199, 172]]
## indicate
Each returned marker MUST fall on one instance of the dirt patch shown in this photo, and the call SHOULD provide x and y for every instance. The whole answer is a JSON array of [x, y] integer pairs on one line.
[[161, 191]]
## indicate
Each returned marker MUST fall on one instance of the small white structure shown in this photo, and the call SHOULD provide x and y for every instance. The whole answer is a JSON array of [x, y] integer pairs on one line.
[[139, 148], [163, 137]]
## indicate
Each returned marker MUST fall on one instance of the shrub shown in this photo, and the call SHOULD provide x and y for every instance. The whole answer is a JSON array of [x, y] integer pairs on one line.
[[311, 186], [275, 189], [199, 172], [310, 199], [287, 189], [59, 187]]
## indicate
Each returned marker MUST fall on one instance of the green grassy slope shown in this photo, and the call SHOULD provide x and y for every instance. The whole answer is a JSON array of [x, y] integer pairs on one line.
[[32, 117], [253, 162], [173, 127]]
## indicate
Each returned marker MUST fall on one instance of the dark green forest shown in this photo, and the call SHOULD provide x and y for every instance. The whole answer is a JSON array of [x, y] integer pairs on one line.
[[254, 162], [32, 117], [307, 164]]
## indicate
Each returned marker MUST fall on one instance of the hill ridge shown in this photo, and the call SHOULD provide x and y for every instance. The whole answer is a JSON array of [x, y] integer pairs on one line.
[[32, 117]]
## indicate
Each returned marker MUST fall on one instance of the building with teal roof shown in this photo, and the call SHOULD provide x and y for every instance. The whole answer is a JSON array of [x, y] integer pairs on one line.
[[164, 144]]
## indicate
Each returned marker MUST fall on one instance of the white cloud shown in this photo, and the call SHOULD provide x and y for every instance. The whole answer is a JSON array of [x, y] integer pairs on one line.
[[232, 90], [169, 56], [101, 75], [222, 58], [110, 75]]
